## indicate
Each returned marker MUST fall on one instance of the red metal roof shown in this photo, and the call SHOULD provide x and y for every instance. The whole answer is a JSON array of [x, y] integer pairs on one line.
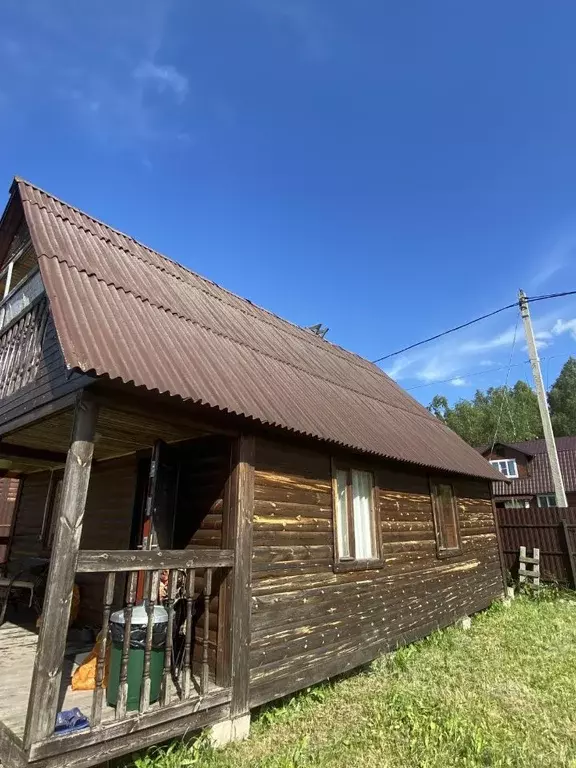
[[540, 478], [123, 310]]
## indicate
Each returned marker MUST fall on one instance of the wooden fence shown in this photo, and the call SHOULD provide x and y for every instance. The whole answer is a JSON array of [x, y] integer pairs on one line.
[[552, 531]]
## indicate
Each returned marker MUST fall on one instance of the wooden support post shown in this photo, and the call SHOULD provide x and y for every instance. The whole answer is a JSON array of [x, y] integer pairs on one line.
[[501, 557], [187, 671], [166, 675], [205, 671], [239, 594], [570, 552], [152, 599], [122, 702], [45, 686]]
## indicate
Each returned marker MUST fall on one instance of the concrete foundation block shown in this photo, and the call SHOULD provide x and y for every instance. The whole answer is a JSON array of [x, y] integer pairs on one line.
[[227, 731], [465, 622]]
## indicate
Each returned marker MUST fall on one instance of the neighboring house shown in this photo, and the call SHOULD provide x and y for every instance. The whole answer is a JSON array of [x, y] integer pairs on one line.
[[527, 469], [295, 511]]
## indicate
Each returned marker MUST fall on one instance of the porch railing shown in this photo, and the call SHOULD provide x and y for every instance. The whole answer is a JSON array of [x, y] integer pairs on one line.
[[184, 582]]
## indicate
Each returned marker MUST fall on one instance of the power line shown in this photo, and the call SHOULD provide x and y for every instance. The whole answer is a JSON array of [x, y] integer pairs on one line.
[[445, 333], [551, 296], [470, 374], [471, 322]]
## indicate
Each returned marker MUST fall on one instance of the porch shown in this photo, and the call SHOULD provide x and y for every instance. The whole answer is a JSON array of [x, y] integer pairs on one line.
[[70, 500], [18, 643]]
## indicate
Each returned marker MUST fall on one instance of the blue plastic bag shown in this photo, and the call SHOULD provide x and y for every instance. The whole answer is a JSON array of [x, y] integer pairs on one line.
[[70, 720]]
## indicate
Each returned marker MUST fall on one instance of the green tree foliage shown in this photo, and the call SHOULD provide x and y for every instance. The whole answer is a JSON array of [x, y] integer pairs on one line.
[[562, 400], [509, 413]]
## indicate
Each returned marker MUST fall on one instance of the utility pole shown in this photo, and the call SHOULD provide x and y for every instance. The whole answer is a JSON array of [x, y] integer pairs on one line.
[[542, 403]]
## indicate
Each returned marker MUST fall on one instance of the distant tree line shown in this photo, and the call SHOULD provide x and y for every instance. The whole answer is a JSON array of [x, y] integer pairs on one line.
[[511, 411]]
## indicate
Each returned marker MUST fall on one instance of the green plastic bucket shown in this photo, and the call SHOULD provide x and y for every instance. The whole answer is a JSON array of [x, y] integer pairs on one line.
[[136, 657]]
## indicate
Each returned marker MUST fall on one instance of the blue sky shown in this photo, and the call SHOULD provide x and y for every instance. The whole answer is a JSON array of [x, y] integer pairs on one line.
[[388, 169]]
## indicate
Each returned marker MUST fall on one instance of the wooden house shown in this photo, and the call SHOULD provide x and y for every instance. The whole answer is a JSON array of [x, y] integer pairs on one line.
[[527, 481], [292, 508]]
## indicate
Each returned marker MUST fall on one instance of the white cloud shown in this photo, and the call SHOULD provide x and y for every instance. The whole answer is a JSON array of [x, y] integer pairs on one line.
[[117, 83], [459, 382], [486, 363], [565, 326], [504, 339], [399, 365], [556, 258], [163, 77]]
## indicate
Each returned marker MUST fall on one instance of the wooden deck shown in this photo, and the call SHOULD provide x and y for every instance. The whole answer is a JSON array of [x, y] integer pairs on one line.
[[17, 652]]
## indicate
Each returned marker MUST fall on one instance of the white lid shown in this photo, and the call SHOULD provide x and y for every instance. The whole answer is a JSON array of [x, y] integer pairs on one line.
[[139, 615]]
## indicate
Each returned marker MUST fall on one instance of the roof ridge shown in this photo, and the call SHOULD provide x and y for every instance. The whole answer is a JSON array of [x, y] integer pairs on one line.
[[307, 336], [422, 414]]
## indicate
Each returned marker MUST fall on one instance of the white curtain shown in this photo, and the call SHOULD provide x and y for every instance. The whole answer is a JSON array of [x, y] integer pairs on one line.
[[362, 499], [341, 513]]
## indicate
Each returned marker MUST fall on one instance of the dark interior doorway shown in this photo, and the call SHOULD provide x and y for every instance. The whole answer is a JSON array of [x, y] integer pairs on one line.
[[180, 494]]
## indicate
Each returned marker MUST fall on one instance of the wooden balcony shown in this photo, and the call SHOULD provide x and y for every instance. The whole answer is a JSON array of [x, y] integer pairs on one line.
[[23, 320]]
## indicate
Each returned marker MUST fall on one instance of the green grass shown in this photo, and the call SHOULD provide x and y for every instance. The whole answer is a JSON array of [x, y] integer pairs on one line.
[[500, 694]]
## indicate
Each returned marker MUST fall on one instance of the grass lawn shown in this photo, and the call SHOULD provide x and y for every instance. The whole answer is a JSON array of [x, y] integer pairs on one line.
[[500, 694]]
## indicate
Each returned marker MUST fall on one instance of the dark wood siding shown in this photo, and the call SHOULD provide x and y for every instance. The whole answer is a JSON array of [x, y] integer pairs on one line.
[[26, 541], [8, 495], [204, 472], [107, 522], [308, 622]]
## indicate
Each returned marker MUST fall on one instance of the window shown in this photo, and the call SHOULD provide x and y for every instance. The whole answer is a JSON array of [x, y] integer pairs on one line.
[[547, 500], [20, 298], [446, 522], [356, 527], [517, 504], [51, 509], [508, 467]]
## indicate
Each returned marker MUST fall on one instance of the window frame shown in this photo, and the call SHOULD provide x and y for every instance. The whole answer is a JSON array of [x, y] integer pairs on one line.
[[496, 462], [442, 551], [352, 563], [545, 496], [517, 503]]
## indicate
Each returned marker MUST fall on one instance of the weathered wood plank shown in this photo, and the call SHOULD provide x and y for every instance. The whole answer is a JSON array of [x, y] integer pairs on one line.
[[143, 730], [57, 601], [241, 514], [96, 561], [12, 754]]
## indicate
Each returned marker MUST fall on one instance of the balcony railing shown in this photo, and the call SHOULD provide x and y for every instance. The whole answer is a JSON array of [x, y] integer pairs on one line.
[[23, 319]]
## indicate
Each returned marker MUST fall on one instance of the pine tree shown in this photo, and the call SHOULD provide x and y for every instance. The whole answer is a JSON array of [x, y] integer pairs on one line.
[[562, 400]]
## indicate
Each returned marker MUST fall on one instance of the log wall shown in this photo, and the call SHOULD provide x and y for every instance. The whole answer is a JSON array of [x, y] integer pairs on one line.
[[310, 622]]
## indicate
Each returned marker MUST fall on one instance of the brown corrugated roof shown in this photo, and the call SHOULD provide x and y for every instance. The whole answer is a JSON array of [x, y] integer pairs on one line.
[[540, 479], [124, 311]]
